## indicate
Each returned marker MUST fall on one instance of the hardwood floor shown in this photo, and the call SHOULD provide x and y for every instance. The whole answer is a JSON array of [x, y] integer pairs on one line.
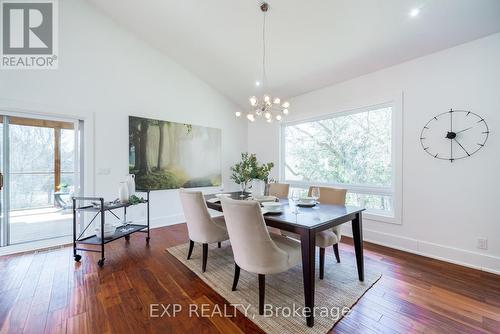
[[47, 292]]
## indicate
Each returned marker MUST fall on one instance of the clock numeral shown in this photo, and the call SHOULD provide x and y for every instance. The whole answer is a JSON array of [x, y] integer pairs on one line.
[[481, 145], [422, 138], [435, 118], [426, 127], [481, 120], [468, 113], [485, 132], [436, 155], [426, 148]]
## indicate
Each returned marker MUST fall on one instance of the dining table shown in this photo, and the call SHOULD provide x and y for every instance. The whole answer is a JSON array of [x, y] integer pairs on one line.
[[306, 222]]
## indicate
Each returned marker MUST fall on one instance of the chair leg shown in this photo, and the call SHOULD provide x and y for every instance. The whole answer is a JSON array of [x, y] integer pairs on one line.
[[321, 262], [205, 255], [191, 245], [262, 293], [219, 244], [236, 276], [336, 251]]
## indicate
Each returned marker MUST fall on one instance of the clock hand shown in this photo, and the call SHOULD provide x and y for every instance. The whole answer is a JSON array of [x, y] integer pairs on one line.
[[451, 120], [464, 130], [455, 139]]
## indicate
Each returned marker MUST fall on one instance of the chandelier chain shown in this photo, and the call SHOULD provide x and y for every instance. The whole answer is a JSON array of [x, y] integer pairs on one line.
[[264, 77]]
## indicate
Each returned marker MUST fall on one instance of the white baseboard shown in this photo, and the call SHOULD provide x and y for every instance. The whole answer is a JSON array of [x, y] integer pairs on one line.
[[35, 245], [461, 257]]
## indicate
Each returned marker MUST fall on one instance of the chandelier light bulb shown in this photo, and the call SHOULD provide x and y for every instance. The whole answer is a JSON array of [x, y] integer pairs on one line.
[[251, 117], [278, 117], [267, 98], [285, 111], [258, 112], [267, 115], [277, 100], [253, 101], [238, 113], [286, 105], [269, 120]]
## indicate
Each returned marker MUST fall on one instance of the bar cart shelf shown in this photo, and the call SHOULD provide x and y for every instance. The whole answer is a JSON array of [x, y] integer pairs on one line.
[[100, 210]]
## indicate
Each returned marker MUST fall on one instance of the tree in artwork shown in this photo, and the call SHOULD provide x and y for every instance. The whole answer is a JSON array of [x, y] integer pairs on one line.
[[169, 155]]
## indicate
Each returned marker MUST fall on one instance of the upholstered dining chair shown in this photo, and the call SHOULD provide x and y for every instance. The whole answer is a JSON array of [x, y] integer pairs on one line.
[[279, 190], [201, 227], [330, 237], [255, 249]]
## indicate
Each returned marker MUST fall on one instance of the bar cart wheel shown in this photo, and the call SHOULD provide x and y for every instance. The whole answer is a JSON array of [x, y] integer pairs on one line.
[[127, 237], [100, 262], [77, 257], [147, 239]]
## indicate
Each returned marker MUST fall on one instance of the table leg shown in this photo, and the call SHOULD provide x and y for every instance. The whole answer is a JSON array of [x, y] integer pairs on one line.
[[357, 234], [101, 261], [308, 244]]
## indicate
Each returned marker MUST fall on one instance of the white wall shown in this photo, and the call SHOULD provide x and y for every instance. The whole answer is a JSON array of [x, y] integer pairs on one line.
[[446, 207], [106, 74]]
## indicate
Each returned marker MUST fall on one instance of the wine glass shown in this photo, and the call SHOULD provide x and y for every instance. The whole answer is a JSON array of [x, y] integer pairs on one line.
[[243, 188], [293, 197], [315, 194]]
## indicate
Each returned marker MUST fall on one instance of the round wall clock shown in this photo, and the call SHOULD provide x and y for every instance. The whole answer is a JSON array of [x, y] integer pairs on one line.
[[454, 135]]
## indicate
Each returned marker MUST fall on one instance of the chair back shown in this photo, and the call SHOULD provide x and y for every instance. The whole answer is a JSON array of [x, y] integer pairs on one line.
[[201, 227], [253, 248], [279, 190], [329, 195]]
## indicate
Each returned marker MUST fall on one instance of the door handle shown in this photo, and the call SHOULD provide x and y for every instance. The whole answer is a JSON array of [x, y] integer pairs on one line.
[[1, 181]]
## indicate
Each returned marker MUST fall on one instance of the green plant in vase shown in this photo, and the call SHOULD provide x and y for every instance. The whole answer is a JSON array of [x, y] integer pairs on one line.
[[248, 169]]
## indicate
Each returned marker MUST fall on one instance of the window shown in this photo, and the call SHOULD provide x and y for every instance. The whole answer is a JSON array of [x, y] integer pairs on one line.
[[352, 150]]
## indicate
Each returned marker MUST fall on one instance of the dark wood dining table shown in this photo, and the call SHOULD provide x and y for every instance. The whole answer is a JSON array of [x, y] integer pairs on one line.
[[306, 223]]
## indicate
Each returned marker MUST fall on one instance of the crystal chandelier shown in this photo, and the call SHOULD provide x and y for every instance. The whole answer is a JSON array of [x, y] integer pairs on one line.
[[269, 107]]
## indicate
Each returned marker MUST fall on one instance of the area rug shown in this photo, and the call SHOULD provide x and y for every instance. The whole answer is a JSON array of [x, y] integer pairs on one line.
[[335, 294]]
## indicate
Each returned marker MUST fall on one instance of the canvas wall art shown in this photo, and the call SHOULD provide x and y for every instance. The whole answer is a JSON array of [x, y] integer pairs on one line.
[[169, 155]]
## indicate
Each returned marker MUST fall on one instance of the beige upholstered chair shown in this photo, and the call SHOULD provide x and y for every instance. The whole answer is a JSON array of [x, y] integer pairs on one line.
[[279, 190], [327, 238], [201, 227], [254, 249], [331, 237]]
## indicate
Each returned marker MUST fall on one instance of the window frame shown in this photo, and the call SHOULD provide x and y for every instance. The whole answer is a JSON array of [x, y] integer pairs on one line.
[[395, 190]]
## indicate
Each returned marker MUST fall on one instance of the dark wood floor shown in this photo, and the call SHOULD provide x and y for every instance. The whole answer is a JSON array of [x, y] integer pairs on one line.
[[48, 292]]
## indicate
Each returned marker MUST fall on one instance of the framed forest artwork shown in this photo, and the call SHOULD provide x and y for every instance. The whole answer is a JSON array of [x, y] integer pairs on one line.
[[169, 155]]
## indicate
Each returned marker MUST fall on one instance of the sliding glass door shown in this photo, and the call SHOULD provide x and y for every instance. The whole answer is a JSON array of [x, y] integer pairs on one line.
[[41, 172]]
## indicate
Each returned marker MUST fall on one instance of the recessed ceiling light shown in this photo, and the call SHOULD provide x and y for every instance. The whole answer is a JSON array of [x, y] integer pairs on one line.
[[414, 12], [257, 83]]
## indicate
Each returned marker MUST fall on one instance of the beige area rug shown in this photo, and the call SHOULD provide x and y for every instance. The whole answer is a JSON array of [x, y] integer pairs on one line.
[[340, 289]]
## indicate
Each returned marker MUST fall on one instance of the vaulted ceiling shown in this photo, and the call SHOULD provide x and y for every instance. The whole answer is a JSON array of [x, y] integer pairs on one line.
[[311, 43]]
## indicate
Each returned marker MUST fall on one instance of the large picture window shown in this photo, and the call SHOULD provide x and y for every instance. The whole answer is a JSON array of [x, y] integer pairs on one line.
[[352, 150]]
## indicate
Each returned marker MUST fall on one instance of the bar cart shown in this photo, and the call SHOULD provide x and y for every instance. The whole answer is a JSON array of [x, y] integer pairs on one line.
[[100, 208]]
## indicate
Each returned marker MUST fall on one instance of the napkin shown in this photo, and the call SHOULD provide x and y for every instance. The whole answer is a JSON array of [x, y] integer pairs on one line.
[[213, 200]]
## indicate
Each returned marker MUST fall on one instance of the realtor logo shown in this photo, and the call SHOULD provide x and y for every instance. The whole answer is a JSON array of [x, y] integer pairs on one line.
[[29, 34]]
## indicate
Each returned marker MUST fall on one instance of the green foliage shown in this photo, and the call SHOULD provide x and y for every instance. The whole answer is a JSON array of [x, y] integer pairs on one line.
[[199, 182], [159, 179], [351, 149], [248, 168], [135, 200]]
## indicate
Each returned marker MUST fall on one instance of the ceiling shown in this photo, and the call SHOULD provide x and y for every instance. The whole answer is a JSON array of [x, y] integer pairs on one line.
[[311, 43]]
